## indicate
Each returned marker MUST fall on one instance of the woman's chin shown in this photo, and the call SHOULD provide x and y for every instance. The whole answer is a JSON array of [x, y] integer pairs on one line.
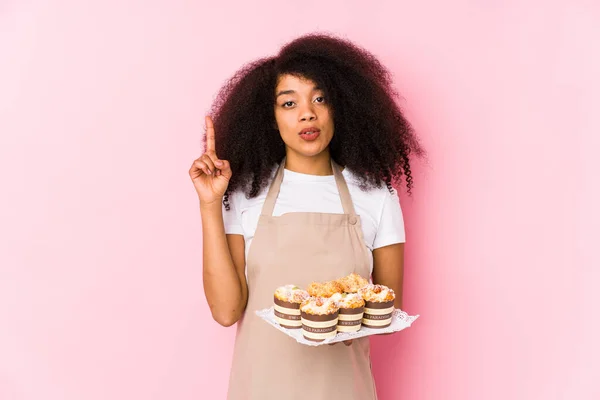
[[308, 153], [311, 149]]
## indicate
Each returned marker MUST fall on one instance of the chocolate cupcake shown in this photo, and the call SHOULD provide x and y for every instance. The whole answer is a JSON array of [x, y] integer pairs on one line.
[[319, 318], [352, 307], [287, 301], [379, 306]]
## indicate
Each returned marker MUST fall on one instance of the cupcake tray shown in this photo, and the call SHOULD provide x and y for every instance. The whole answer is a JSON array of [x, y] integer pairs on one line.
[[400, 321]]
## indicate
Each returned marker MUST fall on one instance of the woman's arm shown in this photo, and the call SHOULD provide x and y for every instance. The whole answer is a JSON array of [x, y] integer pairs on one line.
[[223, 256], [224, 264], [388, 269]]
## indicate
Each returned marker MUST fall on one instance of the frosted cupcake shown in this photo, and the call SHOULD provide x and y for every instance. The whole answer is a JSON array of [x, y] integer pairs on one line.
[[352, 307], [352, 283], [326, 289], [287, 301], [319, 318], [379, 305]]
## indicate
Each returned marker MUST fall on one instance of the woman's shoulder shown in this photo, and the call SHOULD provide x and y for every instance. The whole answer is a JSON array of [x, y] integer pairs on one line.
[[242, 201], [374, 199], [241, 191], [354, 183]]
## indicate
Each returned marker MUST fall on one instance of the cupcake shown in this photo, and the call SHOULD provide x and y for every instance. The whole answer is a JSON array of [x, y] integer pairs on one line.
[[352, 307], [287, 301], [326, 289], [319, 318], [352, 283], [379, 305]]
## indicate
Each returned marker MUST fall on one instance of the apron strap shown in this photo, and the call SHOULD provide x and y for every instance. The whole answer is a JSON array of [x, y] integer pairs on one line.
[[269, 205], [342, 186]]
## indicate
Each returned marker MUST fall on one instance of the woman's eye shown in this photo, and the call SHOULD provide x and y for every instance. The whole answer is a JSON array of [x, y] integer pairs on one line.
[[288, 104], [320, 99]]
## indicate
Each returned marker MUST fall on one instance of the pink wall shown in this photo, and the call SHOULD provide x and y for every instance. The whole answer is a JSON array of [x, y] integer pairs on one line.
[[101, 112]]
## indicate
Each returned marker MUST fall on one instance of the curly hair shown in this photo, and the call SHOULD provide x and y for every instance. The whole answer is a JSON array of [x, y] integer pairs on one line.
[[372, 138]]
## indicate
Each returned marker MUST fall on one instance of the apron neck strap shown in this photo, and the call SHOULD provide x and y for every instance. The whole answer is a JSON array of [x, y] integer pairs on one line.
[[347, 204]]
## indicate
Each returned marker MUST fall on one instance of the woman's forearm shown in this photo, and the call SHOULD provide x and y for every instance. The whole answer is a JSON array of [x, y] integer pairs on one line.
[[225, 292], [388, 269]]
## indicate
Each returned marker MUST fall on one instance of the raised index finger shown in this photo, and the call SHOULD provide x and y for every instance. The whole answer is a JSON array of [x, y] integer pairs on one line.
[[210, 134]]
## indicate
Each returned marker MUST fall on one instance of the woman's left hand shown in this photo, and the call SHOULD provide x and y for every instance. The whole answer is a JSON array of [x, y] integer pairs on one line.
[[346, 342], [349, 342]]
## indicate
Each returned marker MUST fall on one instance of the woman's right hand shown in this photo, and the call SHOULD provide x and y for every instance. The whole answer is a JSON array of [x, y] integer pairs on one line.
[[209, 174]]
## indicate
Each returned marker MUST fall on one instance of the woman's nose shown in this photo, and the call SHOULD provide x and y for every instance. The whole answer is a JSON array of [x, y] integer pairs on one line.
[[308, 113]]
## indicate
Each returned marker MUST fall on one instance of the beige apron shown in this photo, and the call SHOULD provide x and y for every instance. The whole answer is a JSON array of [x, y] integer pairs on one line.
[[299, 248]]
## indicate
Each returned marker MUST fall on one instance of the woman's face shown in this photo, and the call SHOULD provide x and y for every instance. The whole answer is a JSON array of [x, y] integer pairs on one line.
[[303, 116]]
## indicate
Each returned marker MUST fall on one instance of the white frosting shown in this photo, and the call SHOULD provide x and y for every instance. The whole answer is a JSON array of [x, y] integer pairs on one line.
[[345, 300], [320, 306], [376, 293], [336, 297], [291, 293]]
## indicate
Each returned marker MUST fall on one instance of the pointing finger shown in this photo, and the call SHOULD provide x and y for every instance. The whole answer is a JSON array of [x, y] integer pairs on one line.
[[210, 134]]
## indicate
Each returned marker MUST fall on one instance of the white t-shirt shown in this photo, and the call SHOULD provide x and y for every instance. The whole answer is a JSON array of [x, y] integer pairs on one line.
[[379, 210]]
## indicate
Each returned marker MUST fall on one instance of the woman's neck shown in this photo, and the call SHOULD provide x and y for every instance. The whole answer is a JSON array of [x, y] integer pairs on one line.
[[313, 165]]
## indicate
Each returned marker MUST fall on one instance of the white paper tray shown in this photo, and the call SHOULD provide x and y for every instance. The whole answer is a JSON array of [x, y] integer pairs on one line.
[[400, 321]]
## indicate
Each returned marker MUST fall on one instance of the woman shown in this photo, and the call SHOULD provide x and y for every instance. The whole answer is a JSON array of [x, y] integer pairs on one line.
[[296, 186]]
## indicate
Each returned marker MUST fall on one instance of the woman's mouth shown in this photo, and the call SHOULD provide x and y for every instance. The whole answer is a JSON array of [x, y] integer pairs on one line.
[[310, 134]]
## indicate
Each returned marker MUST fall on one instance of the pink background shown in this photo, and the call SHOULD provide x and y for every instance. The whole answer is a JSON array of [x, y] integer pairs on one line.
[[101, 114]]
